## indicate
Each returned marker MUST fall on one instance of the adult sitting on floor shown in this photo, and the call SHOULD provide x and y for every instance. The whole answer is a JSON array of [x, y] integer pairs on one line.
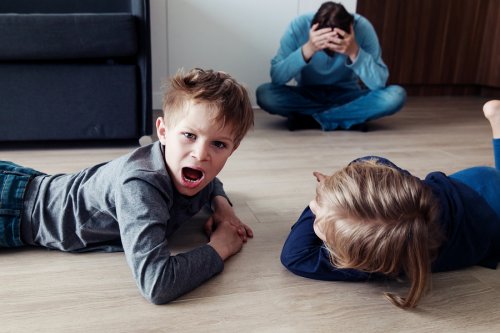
[[342, 87]]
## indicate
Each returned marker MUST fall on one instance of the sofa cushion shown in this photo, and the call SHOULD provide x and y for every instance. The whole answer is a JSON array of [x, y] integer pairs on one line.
[[68, 102], [67, 36], [66, 6]]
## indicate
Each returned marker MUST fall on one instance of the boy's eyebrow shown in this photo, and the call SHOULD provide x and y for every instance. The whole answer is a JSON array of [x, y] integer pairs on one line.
[[194, 130], [228, 139]]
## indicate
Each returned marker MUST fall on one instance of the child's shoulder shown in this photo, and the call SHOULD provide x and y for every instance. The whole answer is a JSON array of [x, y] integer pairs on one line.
[[145, 163]]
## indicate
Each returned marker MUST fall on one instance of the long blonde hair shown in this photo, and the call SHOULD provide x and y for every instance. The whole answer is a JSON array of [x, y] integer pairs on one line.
[[381, 220]]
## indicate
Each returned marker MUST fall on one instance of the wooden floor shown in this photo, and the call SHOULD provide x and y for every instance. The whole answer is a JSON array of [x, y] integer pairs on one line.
[[270, 182]]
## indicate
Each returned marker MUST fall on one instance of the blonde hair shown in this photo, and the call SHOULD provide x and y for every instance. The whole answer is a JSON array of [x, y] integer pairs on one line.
[[218, 90], [381, 220]]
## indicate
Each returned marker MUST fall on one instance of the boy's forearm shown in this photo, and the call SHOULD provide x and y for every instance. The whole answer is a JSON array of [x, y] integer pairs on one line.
[[221, 202], [163, 280]]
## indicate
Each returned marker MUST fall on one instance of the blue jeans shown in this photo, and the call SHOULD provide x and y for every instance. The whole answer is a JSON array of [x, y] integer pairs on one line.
[[484, 180], [330, 106], [14, 180]]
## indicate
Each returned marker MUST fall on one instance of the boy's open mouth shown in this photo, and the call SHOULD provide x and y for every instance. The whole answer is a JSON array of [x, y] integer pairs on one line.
[[192, 175]]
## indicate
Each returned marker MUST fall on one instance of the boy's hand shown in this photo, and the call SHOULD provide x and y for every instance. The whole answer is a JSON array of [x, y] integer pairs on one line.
[[225, 240], [223, 212]]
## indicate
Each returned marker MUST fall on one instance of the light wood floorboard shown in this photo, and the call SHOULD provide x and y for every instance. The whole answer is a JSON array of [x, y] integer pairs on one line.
[[269, 179]]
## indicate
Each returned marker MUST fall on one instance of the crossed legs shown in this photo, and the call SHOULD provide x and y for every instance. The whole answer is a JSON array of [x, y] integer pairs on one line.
[[331, 107]]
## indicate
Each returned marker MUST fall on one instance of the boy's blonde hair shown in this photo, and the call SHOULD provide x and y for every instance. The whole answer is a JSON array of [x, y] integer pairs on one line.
[[219, 91], [381, 220]]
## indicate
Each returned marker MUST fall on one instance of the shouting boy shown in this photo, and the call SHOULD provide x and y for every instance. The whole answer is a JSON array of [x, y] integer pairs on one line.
[[135, 202]]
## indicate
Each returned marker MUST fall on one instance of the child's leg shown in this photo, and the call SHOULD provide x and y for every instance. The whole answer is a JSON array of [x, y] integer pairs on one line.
[[14, 180], [492, 113], [496, 152], [485, 180]]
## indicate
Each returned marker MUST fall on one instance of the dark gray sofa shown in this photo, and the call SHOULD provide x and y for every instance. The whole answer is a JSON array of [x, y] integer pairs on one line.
[[75, 70]]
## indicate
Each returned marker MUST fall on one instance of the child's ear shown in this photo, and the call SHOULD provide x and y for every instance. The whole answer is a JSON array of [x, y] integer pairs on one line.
[[161, 129], [319, 176]]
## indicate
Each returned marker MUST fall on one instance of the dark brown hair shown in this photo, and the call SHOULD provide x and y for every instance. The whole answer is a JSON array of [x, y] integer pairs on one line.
[[333, 15]]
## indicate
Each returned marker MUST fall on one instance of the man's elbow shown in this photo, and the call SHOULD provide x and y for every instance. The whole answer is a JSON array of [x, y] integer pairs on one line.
[[277, 81], [381, 82], [277, 78], [377, 84]]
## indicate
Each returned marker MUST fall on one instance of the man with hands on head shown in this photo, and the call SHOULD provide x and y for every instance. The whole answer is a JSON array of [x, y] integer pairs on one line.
[[331, 39], [334, 58]]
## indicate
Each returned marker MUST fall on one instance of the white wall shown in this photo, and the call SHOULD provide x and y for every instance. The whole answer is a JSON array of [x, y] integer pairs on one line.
[[238, 37], [158, 13]]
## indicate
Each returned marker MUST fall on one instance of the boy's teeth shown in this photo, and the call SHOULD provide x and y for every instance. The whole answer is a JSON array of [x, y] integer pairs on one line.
[[191, 175]]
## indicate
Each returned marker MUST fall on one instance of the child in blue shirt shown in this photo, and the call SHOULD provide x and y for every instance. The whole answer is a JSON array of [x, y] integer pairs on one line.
[[372, 219]]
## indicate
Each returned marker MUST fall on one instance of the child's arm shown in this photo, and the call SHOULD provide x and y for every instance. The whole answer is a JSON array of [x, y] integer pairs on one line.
[[224, 212], [145, 222], [225, 240], [304, 254]]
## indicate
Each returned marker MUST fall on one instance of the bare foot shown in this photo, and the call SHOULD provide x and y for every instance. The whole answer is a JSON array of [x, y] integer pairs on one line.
[[492, 112]]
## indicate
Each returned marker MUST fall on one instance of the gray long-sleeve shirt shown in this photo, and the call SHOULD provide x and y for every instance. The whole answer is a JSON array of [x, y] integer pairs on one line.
[[128, 204]]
